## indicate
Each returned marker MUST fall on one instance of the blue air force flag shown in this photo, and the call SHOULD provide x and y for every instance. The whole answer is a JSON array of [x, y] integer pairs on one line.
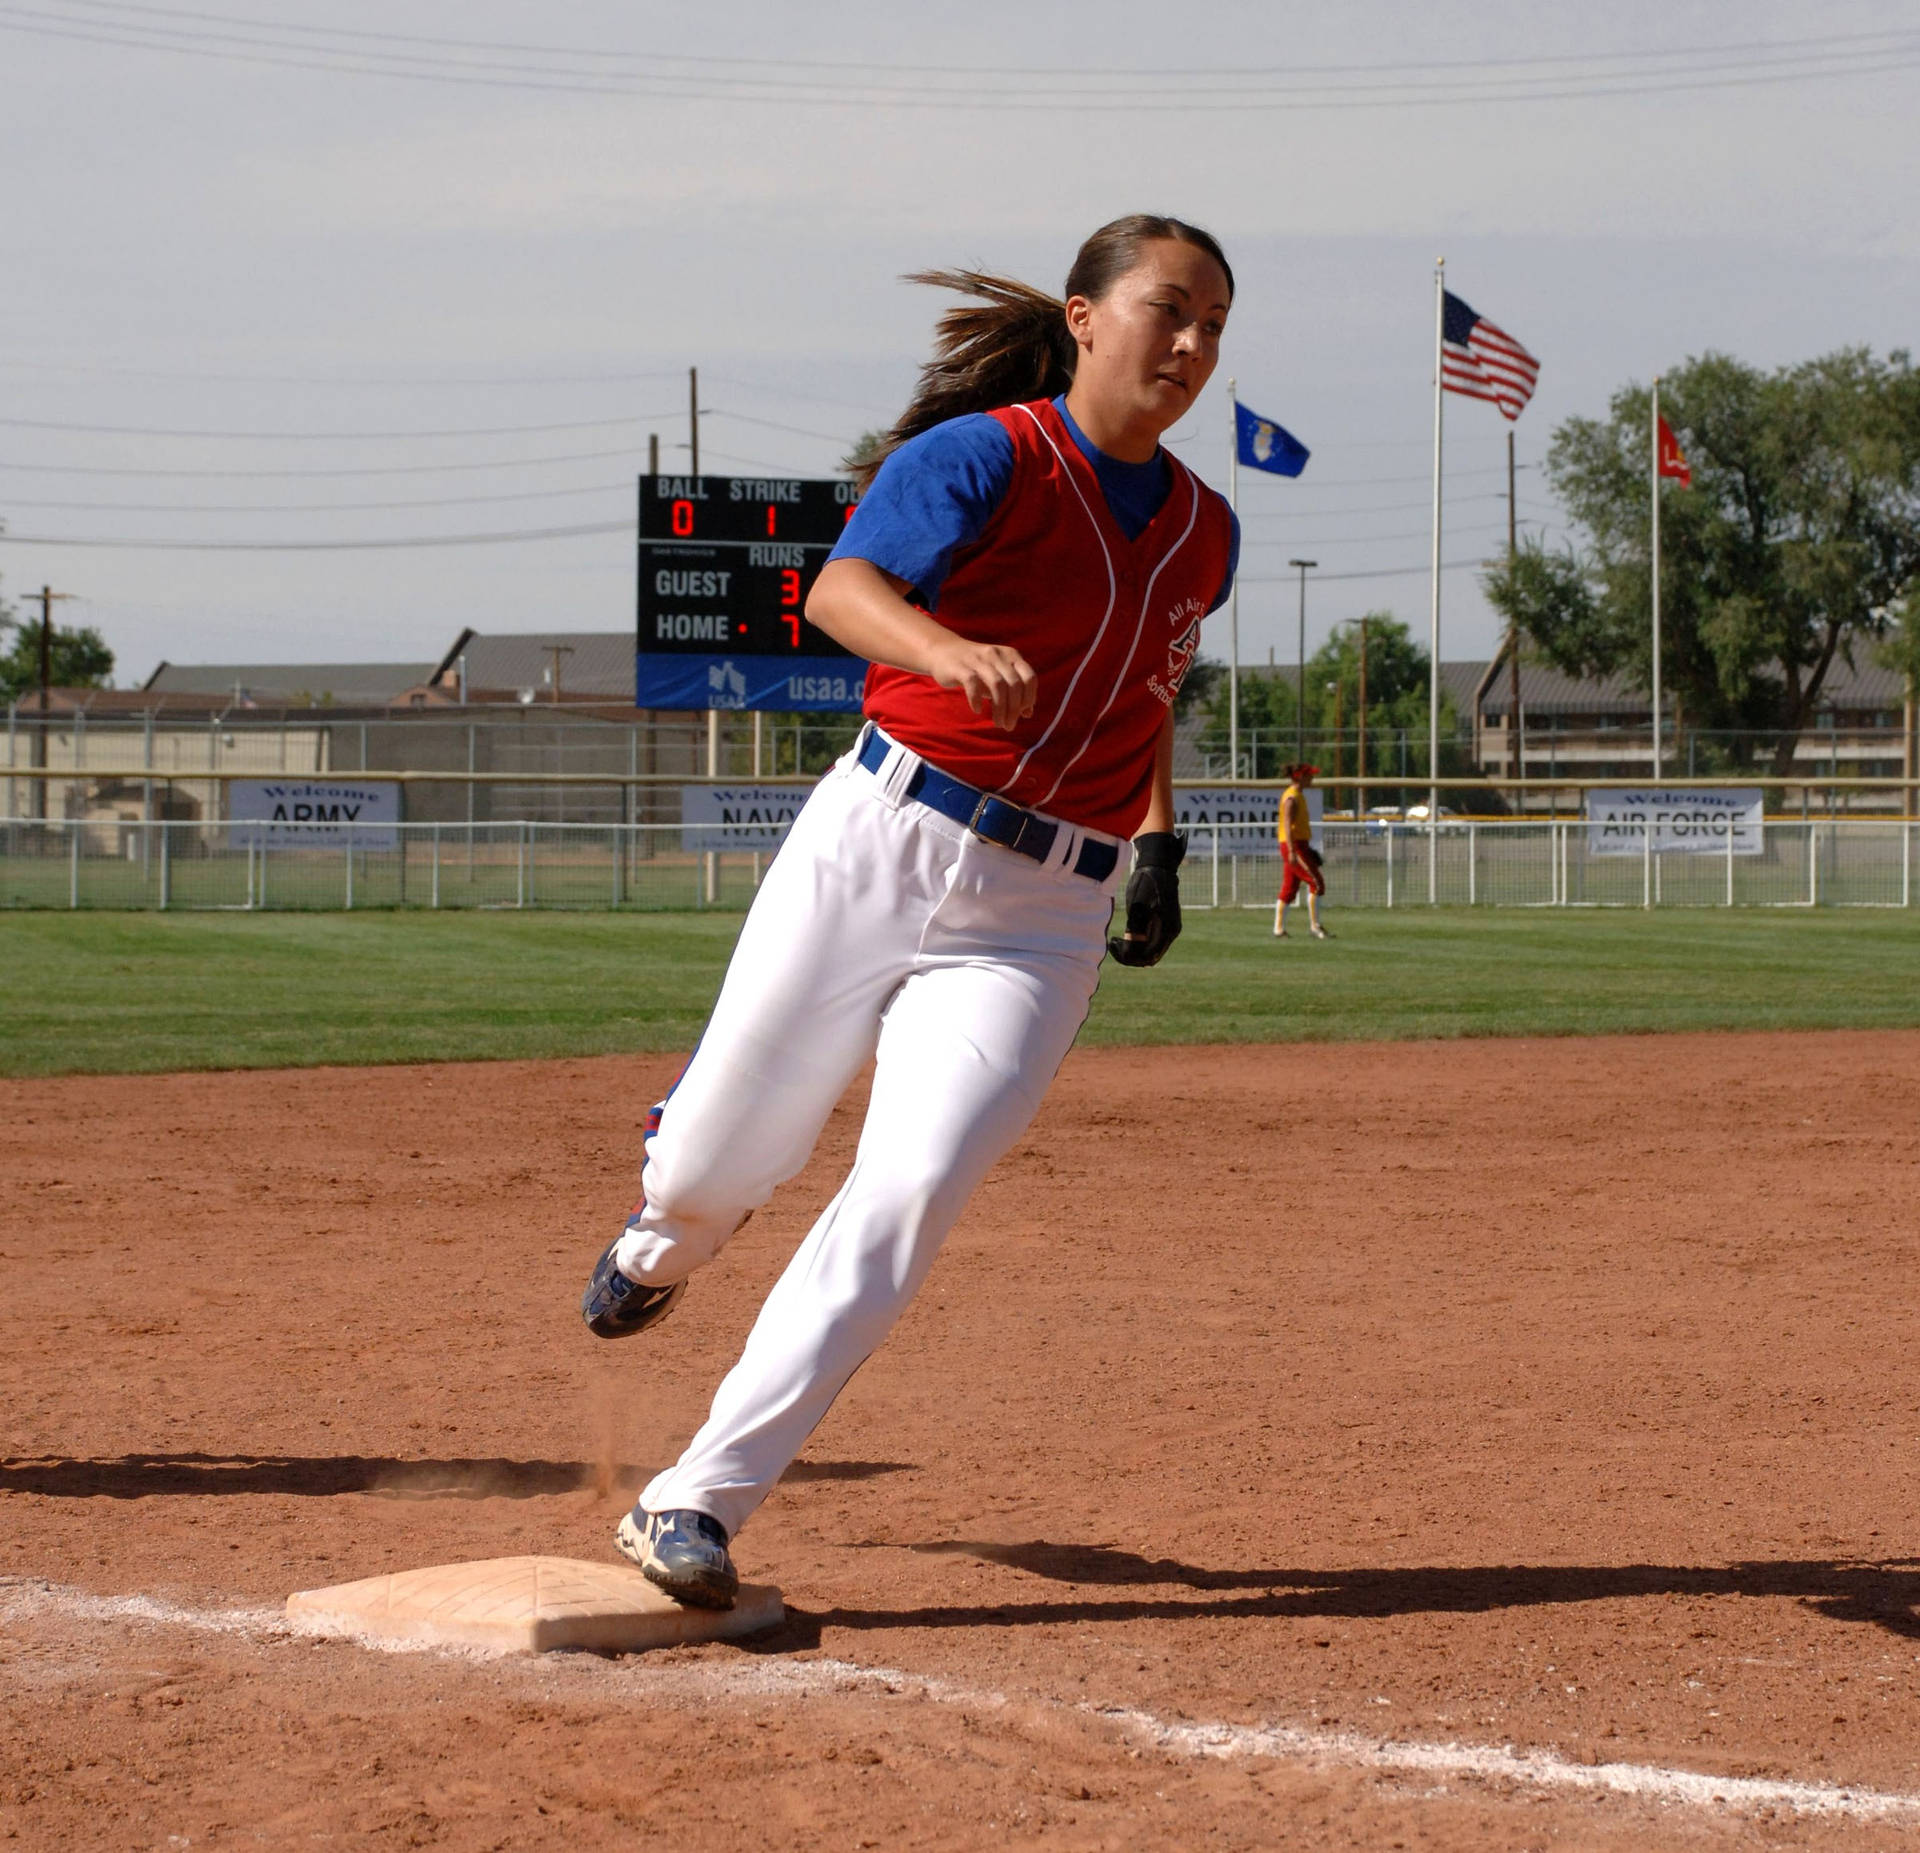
[[1267, 446]]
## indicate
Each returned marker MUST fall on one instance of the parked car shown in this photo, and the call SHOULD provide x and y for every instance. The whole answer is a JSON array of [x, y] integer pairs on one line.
[[1449, 820]]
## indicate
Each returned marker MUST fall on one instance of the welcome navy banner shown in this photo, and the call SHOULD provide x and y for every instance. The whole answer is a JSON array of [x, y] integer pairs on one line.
[[782, 684]]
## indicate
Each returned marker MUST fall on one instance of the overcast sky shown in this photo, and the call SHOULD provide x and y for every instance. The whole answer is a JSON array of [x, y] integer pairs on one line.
[[243, 220]]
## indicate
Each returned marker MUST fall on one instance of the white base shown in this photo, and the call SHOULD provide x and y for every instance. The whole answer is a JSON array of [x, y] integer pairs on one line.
[[528, 1605]]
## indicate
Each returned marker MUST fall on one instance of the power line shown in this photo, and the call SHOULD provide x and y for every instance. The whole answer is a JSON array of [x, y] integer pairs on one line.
[[1526, 507], [1384, 572], [463, 382], [316, 508], [767, 424], [385, 383], [1378, 482], [1775, 63], [334, 437], [1310, 536], [390, 469], [1654, 54], [812, 398], [317, 546], [1372, 508], [490, 47]]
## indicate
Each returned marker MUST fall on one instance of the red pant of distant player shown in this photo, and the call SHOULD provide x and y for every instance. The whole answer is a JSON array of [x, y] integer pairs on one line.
[[1299, 872]]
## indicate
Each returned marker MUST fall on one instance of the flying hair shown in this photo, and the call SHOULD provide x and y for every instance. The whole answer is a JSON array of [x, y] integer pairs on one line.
[[1012, 343]]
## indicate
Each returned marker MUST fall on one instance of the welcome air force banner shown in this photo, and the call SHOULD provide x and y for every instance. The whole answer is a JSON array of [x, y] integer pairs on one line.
[[1680, 821]]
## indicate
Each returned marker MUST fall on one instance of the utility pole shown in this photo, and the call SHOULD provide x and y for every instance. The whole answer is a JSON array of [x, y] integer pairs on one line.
[[1911, 746], [1654, 497], [1233, 597], [1300, 676], [48, 598], [653, 453], [712, 859], [1360, 764]]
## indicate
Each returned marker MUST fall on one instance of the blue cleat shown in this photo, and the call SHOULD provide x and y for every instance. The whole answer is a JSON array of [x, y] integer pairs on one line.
[[684, 1553], [615, 1307]]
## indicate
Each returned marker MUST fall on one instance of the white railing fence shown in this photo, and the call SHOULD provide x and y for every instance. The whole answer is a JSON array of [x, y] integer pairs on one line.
[[326, 867], [90, 863], [1837, 862]]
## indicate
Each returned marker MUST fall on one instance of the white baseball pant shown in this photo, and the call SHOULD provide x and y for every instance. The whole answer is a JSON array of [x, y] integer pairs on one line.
[[882, 930]]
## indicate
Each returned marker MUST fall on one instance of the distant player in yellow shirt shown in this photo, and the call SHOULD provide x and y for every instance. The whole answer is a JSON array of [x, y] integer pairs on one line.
[[1299, 860]]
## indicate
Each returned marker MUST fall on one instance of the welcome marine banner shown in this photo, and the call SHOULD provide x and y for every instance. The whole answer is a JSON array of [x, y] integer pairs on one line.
[[1245, 821]]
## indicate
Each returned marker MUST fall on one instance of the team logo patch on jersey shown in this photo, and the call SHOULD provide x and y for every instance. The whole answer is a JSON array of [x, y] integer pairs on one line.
[[1180, 654]]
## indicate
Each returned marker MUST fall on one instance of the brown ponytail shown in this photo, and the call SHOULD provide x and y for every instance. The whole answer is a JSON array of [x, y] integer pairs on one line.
[[1016, 345]]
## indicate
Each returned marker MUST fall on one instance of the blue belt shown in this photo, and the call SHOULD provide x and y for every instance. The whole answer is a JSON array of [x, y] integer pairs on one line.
[[990, 818]]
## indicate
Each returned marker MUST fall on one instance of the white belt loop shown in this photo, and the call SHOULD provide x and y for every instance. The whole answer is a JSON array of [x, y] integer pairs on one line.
[[896, 769]]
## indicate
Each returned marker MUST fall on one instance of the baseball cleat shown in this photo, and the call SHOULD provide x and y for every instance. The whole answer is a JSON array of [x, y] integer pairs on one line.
[[1319, 932], [615, 1307], [684, 1553]]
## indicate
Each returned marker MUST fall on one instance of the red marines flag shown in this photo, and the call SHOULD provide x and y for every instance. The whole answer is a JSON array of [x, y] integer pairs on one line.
[[1673, 461]]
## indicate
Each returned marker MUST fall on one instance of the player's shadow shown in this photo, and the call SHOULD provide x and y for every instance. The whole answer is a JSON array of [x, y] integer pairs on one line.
[[142, 1476], [1885, 1594]]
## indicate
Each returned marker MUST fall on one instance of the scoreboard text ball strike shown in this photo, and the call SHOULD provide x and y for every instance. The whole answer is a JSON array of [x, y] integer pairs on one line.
[[726, 563]]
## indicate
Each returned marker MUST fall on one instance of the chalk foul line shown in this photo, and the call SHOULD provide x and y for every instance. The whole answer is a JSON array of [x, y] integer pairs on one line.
[[1538, 1770], [1528, 1769]]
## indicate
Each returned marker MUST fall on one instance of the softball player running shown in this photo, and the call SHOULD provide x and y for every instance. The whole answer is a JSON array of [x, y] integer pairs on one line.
[[1299, 860], [1027, 574]]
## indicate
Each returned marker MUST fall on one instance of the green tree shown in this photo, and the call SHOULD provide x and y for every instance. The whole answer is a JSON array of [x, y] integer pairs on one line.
[[1204, 678], [1900, 648], [867, 446], [1791, 550], [79, 658], [1397, 689]]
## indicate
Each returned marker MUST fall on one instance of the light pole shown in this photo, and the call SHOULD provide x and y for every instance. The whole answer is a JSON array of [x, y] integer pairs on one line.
[[1300, 680]]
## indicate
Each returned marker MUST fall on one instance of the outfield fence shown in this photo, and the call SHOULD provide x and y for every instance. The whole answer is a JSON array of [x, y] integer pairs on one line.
[[1826, 862], [58, 863]]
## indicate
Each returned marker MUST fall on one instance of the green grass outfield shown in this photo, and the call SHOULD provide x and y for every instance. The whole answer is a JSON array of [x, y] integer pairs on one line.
[[130, 993]]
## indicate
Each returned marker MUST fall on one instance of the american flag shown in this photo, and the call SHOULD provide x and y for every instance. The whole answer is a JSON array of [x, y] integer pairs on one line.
[[1483, 361]]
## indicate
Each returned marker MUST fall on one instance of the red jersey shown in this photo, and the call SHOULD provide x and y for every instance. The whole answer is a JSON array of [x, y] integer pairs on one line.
[[1109, 624]]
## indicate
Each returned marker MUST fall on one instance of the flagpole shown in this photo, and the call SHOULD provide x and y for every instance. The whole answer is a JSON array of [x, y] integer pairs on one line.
[[1433, 692], [1654, 480], [1233, 601]]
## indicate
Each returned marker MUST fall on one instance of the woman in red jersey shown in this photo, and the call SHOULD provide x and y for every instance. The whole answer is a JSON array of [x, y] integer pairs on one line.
[[1027, 574]]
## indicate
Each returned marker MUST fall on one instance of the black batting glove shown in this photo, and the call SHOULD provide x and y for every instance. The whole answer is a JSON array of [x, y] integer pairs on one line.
[[1153, 899]]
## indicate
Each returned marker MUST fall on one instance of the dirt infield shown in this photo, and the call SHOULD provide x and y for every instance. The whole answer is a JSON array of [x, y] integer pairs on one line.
[[1527, 1432]]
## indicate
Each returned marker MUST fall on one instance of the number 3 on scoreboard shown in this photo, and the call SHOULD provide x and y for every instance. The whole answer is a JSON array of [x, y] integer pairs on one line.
[[790, 601]]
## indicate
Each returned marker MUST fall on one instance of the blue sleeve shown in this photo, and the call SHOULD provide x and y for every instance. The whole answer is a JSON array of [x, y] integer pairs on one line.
[[936, 493], [1233, 566]]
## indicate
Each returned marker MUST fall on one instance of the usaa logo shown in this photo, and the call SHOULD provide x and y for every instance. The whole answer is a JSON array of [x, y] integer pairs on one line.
[[1180, 655], [726, 686]]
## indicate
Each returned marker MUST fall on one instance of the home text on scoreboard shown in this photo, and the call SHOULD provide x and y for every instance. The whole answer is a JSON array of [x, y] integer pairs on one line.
[[725, 566]]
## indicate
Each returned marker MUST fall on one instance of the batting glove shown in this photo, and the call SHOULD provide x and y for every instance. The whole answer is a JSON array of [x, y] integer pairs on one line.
[[1153, 899]]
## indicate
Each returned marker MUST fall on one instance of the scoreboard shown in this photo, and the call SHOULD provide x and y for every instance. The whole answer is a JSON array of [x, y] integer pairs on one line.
[[725, 566]]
